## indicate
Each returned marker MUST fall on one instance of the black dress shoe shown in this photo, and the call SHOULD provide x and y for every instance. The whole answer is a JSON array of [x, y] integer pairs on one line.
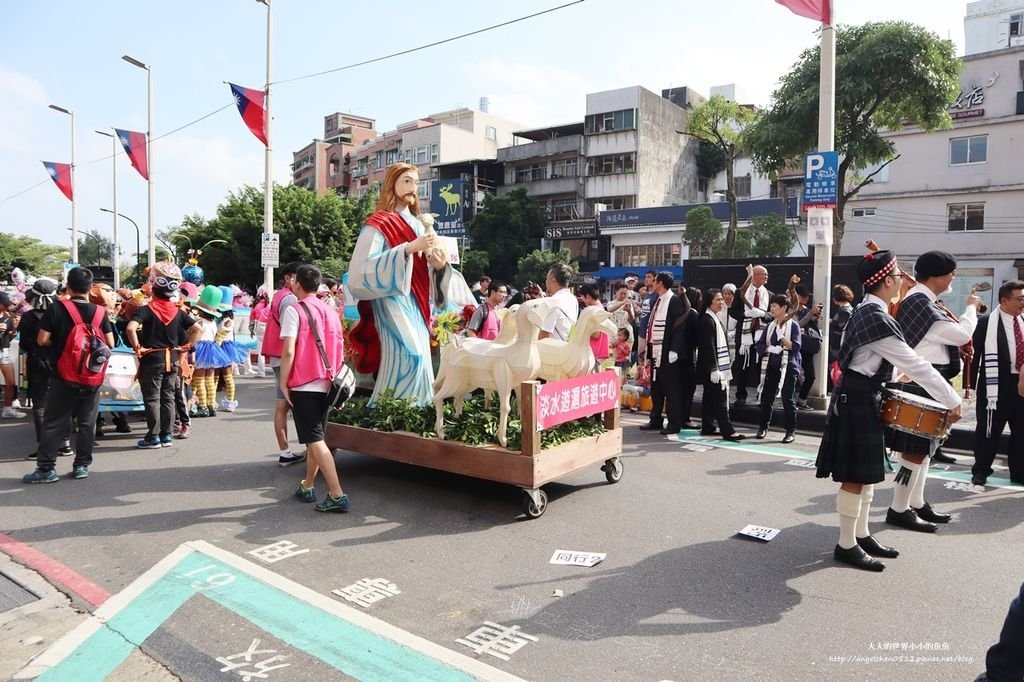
[[650, 427], [978, 481], [690, 426], [943, 459], [874, 548], [789, 437], [761, 433], [735, 437], [709, 433], [909, 520], [858, 558], [928, 514], [669, 431]]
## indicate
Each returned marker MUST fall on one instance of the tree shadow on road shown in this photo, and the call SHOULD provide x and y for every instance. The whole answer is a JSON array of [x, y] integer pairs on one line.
[[708, 587]]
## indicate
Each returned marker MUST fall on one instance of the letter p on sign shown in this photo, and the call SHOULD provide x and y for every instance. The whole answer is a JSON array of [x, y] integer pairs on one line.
[[813, 162]]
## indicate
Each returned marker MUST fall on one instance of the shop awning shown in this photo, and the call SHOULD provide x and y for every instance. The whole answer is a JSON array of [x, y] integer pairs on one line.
[[619, 272]]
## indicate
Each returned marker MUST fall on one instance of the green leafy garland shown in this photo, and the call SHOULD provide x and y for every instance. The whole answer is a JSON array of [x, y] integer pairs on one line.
[[476, 426]]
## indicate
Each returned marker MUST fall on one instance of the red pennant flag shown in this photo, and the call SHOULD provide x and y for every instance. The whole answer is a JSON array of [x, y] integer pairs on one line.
[[819, 10], [61, 175], [135, 145], [251, 106]]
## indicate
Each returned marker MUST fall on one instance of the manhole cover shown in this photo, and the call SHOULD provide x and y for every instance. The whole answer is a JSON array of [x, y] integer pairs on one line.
[[13, 595]]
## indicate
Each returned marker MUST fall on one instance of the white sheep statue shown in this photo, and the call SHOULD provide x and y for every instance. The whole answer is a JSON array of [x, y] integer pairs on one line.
[[467, 365], [573, 358]]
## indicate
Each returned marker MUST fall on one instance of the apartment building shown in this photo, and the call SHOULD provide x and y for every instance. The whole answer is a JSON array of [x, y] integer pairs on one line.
[[324, 164]]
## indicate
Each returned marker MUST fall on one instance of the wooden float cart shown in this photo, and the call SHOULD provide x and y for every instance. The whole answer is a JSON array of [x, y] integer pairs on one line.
[[529, 468]]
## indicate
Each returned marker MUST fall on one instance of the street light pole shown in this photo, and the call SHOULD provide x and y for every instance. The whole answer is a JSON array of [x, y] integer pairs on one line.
[[149, 149], [268, 174], [86, 236], [138, 246], [74, 194], [116, 261]]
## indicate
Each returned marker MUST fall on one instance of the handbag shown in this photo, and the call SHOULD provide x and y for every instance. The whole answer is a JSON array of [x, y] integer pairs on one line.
[[343, 384]]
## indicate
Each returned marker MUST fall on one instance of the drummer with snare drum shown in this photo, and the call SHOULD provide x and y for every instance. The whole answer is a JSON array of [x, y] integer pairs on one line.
[[937, 335], [852, 448]]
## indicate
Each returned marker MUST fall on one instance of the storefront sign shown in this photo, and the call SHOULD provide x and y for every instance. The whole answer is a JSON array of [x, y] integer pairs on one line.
[[448, 202], [571, 231], [562, 401], [970, 113]]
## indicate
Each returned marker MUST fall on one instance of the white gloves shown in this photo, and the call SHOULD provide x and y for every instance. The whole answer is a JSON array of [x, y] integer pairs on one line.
[[716, 376], [672, 357], [774, 350]]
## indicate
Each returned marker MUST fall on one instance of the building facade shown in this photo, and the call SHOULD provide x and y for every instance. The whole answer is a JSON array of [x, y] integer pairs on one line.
[[993, 25], [324, 164], [959, 190]]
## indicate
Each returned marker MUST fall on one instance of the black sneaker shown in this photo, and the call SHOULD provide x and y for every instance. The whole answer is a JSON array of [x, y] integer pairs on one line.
[[65, 451], [294, 459]]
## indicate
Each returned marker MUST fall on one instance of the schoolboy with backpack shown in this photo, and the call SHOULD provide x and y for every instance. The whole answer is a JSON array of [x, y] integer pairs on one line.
[[80, 337]]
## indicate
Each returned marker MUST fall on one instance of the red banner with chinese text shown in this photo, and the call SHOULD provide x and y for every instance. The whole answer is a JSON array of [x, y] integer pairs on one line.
[[562, 401]]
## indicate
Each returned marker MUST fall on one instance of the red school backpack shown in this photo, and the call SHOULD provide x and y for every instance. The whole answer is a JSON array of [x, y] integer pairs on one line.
[[83, 361]]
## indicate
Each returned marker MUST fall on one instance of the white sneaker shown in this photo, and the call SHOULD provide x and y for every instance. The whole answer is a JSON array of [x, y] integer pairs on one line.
[[11, 413]]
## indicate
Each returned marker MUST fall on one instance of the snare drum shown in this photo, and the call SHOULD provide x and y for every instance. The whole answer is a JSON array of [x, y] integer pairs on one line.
[[915, 414]]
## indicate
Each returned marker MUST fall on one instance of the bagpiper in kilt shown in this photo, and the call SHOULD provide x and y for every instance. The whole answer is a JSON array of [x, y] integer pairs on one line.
[[852, 449], [936, 335]]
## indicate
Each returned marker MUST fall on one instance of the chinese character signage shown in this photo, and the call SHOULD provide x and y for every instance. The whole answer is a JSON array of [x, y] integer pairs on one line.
[[562, 401], [821, 179], [448, 201]]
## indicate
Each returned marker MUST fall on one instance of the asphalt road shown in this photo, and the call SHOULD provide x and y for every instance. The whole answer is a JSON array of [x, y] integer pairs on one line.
[[679, 596]]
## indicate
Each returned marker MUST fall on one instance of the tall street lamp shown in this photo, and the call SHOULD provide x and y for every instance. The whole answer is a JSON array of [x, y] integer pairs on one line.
[[138, 238], [99, 250], [149, 149], [74, 194], [116, 260], [268, 182]]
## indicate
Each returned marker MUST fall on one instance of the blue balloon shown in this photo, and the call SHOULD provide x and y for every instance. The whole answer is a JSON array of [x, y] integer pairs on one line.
[[194, 274]]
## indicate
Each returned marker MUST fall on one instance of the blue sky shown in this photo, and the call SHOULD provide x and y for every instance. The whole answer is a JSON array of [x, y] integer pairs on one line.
[[67, 52]]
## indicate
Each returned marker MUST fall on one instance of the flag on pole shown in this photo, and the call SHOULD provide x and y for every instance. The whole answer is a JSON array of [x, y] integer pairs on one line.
[[819, 10], [135, 146], [251, 106], [60, 173]]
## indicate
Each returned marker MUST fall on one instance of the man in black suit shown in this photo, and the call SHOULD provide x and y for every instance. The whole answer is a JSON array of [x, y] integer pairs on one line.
[[713, 370], [750, 310], [665, 347], [997, 366]]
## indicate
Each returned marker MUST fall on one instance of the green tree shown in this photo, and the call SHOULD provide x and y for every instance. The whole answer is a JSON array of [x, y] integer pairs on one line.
[[508, 228], [475, 264], [703, 231], [312, 229], [31, 255], [534, 266], [723, 124], [887, 73], [94, 248], [771, 237]]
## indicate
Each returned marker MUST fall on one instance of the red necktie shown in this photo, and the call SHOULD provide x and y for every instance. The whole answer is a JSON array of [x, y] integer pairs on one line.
[[1018, 340], [756, 324]]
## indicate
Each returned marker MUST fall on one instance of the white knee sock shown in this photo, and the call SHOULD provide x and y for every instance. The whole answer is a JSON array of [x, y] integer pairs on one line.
[[917, 481], [867, 494], [901, 488], [848, 505]]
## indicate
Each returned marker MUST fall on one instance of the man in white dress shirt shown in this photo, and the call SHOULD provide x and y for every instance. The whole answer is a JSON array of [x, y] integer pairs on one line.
[[852, 448]]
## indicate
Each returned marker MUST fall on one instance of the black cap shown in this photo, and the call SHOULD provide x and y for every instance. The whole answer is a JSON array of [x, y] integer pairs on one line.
[[934, 264], [5, 300], [802, 289]]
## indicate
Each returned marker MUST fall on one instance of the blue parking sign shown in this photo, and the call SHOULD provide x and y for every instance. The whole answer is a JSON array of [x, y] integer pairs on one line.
[[821, 179]]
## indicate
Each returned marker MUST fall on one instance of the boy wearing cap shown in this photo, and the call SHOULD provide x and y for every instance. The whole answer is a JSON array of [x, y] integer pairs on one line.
[[64, 400], [852, 448], [936, 335]]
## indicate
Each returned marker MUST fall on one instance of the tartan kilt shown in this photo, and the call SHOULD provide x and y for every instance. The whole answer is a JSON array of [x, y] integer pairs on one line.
[[853, 446], [907, 443]]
